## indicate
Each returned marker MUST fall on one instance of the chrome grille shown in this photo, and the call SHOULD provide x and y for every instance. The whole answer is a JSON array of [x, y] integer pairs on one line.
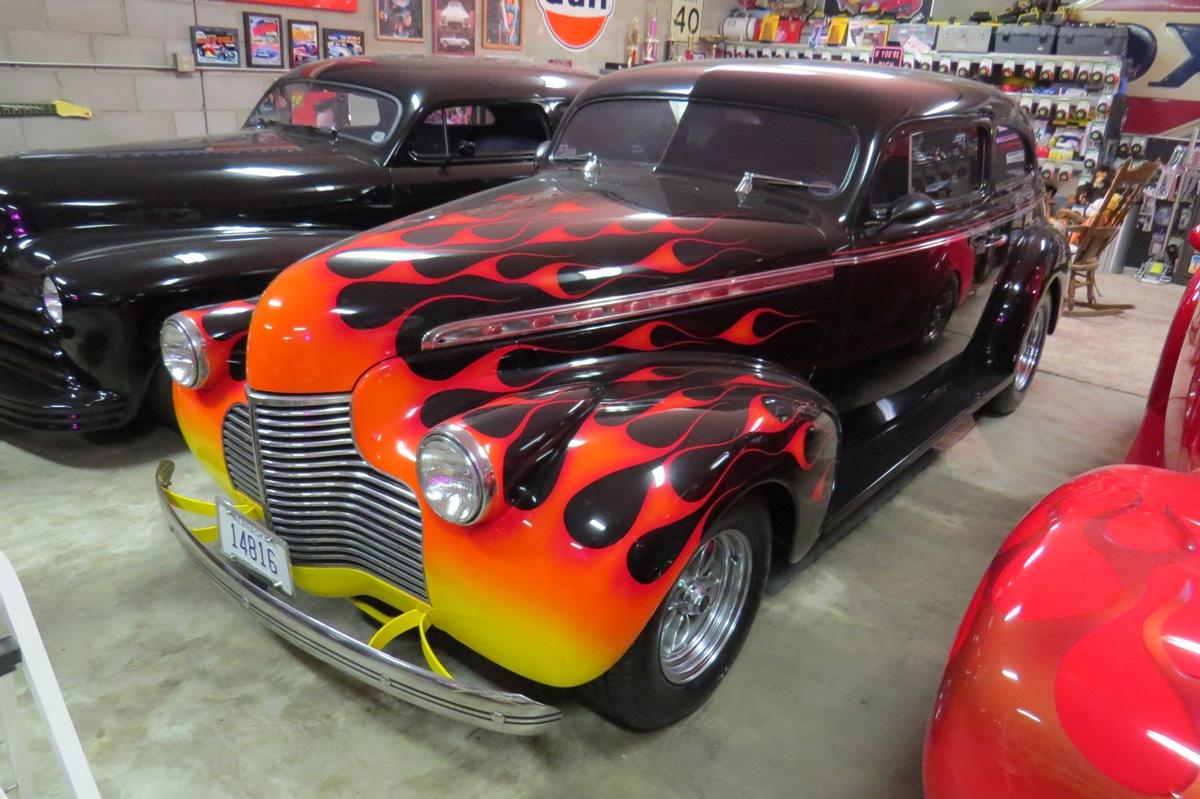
[[237, 441], [331, 507]]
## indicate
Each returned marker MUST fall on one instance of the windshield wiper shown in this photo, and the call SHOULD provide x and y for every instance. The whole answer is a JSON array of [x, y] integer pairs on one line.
[[746, 184]]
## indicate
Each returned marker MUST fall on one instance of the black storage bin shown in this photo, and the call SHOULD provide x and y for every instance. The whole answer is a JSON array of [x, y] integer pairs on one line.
[[1093, 40], [1025, 39]]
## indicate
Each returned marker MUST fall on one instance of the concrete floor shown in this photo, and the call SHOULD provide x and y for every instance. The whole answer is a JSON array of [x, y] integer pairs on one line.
[[176, 693]]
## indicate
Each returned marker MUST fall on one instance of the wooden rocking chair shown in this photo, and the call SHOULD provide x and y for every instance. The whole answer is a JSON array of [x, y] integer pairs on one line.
[[1094, 235]]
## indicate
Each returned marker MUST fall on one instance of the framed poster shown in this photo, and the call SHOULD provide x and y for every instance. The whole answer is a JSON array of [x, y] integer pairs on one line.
[[344, 44], [264, 40], [454, 27], [503, 24], [304, 41], [400, 20], [215, 47]]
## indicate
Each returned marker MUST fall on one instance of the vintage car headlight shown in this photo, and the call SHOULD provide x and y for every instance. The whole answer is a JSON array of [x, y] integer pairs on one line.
[[455, 474], [52, 301], [183, 351]]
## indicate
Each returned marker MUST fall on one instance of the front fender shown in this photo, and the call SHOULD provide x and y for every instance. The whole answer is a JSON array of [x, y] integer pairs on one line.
[[607, 471], [119, 286]]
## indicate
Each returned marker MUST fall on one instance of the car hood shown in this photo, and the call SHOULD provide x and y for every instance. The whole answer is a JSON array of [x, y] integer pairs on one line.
[[540, 243], [252, 175]]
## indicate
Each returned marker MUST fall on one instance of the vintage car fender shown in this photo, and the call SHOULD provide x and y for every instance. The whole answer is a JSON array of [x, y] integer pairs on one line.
[[1035, 265], [607, 470], [1074, 672], [120, 285]]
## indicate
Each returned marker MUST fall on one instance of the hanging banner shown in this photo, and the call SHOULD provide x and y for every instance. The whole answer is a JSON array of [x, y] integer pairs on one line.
[[576, 24], [346, 6]]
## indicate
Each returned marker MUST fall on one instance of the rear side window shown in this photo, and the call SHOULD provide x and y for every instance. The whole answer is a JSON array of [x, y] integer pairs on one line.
[[479, 132], [1011, 159], [947, 163]]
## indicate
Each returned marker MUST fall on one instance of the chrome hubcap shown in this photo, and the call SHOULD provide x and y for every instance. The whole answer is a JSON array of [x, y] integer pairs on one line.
[[1031, 353], [705, 605]]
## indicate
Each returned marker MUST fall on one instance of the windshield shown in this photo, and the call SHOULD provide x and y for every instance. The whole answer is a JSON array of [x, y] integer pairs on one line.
[[320, 107], [727, 140]]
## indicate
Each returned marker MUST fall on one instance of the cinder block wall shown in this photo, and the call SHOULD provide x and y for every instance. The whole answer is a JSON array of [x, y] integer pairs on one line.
[[144, 104]]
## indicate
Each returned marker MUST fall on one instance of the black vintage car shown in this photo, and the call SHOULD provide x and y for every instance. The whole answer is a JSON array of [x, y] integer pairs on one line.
[[98, 246], [572, 422]]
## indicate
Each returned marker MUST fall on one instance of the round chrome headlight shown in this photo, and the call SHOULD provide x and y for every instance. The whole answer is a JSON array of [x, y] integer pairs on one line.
[[52, 301], [183, 352], [455, 474]]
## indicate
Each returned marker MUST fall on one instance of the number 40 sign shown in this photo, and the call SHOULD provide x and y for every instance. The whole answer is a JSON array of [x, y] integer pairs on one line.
[[685, 20]]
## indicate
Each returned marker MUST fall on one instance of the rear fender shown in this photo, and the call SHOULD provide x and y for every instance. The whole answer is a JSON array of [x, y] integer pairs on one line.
[[1036, 259], [607, 472]]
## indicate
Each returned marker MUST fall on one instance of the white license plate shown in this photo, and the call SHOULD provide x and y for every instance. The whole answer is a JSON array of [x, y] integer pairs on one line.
[[246, 542]]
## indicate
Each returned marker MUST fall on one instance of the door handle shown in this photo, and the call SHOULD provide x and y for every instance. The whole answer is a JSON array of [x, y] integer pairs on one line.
[[993, 240]]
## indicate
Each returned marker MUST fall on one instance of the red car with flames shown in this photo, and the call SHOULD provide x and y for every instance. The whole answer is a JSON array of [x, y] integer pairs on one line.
[[571, 422], [1076, 672]]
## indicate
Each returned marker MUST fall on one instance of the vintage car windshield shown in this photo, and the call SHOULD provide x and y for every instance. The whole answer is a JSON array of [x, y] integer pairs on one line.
[[361, 115], [720, 138]]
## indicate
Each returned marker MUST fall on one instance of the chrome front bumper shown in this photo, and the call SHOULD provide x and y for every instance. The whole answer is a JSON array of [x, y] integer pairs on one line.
[[494, 710]]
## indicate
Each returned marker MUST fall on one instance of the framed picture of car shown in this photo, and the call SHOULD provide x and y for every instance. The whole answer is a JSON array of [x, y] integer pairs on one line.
[[454, 27], [344, 44], [264, 40], [303, 41], [400, 20], [215, 47], [503, 24]]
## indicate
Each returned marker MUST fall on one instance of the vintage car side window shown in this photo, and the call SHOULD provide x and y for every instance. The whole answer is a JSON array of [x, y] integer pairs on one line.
[[313, 106], [1011, 158], [466, 132], [947, 162]]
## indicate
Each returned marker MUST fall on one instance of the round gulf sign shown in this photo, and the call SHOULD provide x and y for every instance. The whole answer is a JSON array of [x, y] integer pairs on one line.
[[576, 24]]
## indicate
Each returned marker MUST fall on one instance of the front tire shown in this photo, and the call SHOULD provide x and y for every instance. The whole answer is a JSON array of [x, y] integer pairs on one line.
[[1029, 355], [693, 638]]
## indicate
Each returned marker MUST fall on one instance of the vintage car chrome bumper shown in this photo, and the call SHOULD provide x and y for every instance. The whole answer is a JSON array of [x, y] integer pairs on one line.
[[494, 710]]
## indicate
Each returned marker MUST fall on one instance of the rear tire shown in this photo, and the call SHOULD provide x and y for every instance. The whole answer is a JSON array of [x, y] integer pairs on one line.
[[938, 317], [1029, 355], [693, 638]]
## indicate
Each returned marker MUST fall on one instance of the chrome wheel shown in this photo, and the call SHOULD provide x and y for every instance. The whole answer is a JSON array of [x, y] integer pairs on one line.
[[705, 606], [1031, 352], [939, 318]]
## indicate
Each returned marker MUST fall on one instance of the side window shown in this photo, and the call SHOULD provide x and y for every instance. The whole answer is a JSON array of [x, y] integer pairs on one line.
[[470, 132], [1011, 157], [947, 163]]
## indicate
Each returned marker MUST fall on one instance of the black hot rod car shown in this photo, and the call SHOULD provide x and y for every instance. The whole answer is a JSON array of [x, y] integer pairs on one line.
[[571, 422], [98, 246]]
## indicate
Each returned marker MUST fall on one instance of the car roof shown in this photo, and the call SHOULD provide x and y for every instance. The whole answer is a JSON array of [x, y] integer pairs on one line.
[[438, 80], [869, 97]]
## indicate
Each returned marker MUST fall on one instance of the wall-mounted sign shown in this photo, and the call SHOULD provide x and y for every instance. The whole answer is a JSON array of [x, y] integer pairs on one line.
[[215, 47], [454, 27], [264, 39], [685, 20], [891, 56], [576, 24]]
